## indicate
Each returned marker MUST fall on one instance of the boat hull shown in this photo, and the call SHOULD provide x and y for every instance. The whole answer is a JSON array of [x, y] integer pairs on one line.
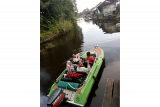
[[82, 94]]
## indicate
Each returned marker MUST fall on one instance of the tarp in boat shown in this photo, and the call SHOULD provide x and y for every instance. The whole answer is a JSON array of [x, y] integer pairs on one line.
[[74, 75], [67, 85]]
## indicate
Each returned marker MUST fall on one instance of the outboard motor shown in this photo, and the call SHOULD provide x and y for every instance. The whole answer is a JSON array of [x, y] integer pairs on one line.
[[55, 98]]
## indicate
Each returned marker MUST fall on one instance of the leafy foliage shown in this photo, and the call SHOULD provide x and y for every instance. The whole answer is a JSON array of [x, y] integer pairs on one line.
[[56, 16]]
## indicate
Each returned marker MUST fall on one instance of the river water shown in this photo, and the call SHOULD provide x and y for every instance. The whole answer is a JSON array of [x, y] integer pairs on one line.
[[83, 37]]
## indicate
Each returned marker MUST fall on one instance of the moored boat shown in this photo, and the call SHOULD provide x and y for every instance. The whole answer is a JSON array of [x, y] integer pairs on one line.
[[76, 91], [86, 18]]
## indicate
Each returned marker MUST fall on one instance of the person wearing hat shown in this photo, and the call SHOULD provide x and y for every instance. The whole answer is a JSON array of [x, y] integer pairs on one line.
[[70, 66], [71, 73]]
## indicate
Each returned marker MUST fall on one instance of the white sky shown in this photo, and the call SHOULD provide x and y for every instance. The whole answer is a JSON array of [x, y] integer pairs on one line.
[[83, 4]]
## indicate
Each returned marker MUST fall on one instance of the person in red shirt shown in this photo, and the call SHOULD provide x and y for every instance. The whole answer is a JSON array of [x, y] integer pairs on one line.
[[91, 59]]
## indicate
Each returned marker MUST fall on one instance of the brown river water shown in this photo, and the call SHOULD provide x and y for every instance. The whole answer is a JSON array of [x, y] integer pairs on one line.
[[83, 37]]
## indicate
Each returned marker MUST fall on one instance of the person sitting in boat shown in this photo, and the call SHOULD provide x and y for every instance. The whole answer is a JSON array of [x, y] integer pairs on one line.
[[91, 59], [70, 67], [82, 68], [71, 73], [76, 58]]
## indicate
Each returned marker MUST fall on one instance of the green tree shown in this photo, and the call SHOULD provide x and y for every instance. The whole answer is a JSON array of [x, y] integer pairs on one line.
[[56, 16]]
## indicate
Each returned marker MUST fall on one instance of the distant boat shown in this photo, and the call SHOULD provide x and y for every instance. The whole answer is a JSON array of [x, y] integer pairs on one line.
[[86, 19]]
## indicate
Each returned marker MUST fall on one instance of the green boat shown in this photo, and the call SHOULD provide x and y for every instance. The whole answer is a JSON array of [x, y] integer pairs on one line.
[[72, 91], [86, 19]]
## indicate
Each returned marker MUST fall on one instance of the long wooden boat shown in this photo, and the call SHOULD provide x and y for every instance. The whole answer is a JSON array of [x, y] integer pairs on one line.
[[72, 91]]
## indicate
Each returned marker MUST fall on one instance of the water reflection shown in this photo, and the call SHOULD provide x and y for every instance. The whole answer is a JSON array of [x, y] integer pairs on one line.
[[95, 86], [52, 59], [108, 27], [43, 100]]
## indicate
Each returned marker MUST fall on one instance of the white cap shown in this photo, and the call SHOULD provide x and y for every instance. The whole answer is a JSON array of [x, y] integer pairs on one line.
[[68, 62]]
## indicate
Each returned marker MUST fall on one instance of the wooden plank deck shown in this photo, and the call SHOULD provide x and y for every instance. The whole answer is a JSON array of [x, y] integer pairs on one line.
[[116, 94], [112, 94]]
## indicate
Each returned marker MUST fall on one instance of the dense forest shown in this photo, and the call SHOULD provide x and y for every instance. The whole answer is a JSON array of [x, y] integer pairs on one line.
[[56, 16]]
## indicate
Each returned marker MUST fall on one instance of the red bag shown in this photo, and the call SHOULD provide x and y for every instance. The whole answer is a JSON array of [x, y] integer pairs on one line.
[[74, 75]]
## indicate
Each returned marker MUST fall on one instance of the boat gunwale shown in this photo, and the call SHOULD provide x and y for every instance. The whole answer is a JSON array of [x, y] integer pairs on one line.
[[92, 68], [93, 83]]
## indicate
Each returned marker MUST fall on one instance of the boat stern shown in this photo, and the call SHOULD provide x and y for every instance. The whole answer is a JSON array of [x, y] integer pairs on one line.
[[55, 98]]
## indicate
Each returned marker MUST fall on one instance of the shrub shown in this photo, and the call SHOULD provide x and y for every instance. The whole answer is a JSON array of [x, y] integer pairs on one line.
[[50, 45]]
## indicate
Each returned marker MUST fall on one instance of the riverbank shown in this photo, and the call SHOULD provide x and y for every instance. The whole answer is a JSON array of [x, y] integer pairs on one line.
[[60, 29], [53, 36]]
